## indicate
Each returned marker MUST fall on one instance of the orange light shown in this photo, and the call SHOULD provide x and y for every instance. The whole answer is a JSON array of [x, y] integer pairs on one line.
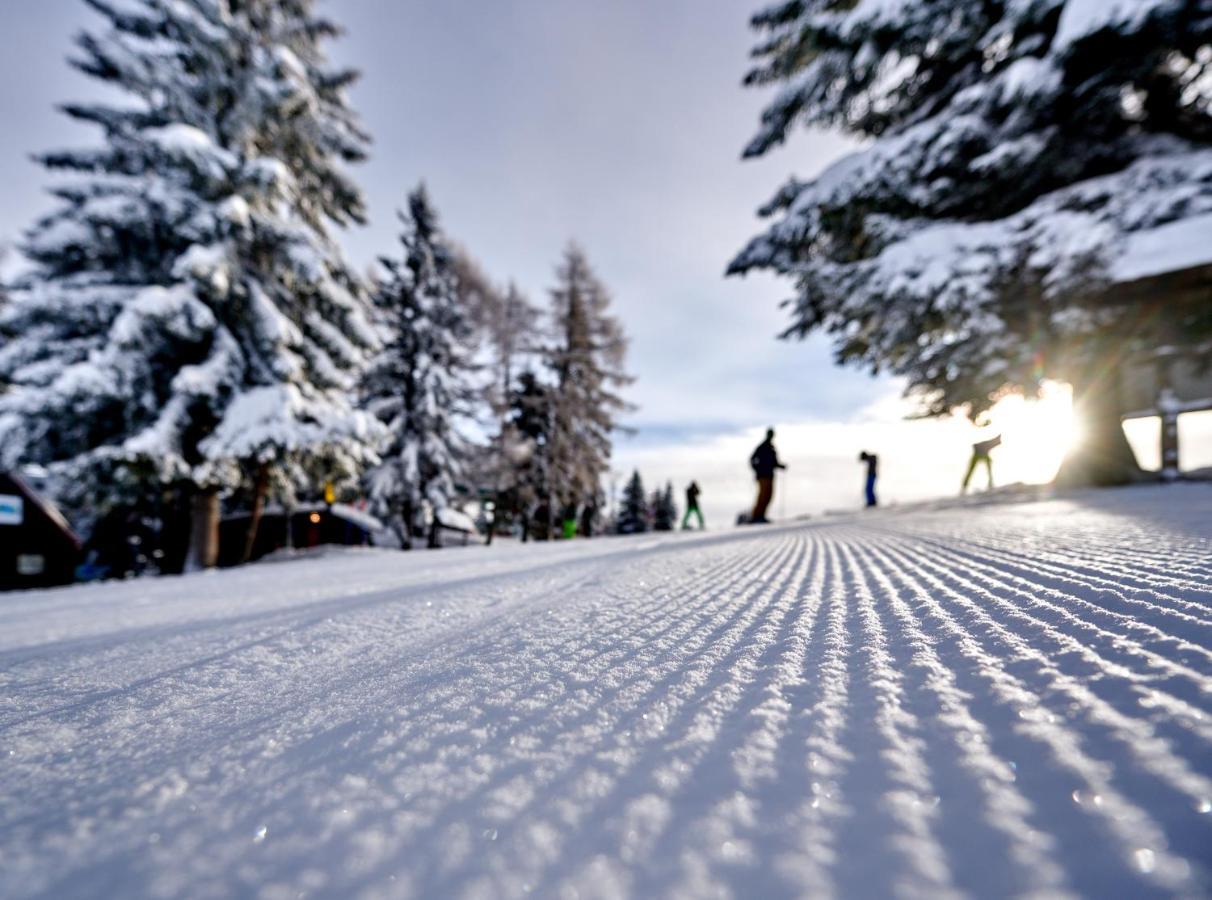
[[315, 518]]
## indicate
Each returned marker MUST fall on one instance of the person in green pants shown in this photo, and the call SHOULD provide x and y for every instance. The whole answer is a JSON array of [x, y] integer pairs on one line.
[[569, 522], [692, 506]]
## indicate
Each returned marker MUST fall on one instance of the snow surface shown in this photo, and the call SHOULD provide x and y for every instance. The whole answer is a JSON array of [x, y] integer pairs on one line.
[[985, 700]]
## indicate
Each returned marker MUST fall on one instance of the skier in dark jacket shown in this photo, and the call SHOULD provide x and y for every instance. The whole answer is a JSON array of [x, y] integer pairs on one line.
[[764, 461], [692, 506], [872, 462]]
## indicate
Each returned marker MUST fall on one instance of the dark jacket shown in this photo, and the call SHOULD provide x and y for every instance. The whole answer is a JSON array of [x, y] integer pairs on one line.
[[873, 463], [765, 460], [692, 496]]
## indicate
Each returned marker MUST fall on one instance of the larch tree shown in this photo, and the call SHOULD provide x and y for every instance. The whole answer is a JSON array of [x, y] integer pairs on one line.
[[586, 358], [420, 385], [513, 336], [1020, 158], [189, 313], [507, 325]]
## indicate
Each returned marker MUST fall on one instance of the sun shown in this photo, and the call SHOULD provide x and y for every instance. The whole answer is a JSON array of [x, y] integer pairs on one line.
[[1036, 434]]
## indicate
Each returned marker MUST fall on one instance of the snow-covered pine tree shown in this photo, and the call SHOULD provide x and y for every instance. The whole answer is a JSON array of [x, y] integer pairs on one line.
[[188, 311], [1019, 158], [633, 510], [420, 384], [586, 360]]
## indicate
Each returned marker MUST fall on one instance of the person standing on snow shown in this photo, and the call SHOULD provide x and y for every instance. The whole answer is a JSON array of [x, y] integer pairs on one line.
[[872, 462], [764, 461], [980, 454], [692, 506]]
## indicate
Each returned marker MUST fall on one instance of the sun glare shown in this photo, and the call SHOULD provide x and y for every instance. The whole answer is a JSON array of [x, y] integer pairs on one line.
[[1035, 434]]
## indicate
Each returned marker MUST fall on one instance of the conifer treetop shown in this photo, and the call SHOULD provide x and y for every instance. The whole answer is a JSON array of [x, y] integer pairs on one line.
[[186, 286], [420, 386], [1017, 156]]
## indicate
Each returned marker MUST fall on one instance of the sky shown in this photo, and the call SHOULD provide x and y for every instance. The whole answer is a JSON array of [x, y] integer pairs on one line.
[[619, 125]]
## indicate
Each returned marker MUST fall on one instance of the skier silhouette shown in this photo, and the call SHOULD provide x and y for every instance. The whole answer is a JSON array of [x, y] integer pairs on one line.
[[764, 461], [692, 506], [980, 454], [872, 462]]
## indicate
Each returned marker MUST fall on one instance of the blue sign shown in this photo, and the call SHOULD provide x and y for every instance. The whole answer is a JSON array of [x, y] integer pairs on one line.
[[12, 509]]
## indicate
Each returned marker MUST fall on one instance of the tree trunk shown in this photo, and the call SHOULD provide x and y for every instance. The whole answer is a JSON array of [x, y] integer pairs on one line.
[[176, 515], [260, 489], [288, 513], [204, 531], [1101, 455], [502, 426], [406, 527]]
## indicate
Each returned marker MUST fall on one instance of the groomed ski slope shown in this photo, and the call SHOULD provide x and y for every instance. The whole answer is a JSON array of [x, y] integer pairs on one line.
[[990, 700]]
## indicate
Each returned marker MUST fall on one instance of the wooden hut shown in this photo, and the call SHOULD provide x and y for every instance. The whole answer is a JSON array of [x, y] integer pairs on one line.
[[37, 546], [1173, 378]]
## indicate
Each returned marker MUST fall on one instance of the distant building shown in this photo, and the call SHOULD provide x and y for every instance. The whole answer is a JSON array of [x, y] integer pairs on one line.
[[37, 546], [310, 526], [1174, 378]]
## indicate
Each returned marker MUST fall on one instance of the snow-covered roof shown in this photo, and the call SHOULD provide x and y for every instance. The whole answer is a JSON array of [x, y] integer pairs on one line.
[[41, 503], [355, 516], [456, 519], [351, 514], [1172, 247]]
